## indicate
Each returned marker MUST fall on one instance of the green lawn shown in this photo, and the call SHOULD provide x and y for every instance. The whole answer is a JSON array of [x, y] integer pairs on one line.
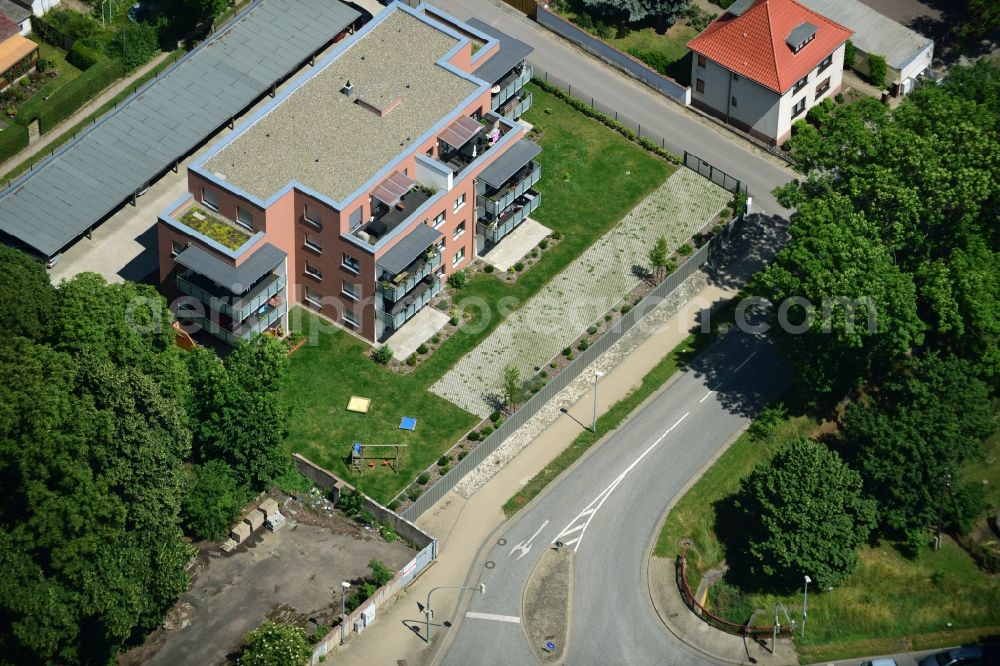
[[889, 604], [67, 72], [585, 192]]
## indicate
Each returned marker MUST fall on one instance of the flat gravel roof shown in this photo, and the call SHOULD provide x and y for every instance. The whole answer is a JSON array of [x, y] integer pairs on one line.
[[324, 139]]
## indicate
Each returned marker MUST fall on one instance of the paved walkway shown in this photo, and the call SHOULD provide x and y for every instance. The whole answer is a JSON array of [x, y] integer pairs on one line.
[[586, 289]]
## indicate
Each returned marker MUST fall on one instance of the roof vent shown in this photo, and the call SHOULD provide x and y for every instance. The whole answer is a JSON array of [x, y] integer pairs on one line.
[[348, 89]]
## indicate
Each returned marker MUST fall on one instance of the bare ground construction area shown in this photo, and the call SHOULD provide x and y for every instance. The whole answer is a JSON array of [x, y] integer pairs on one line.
[[293, 575]]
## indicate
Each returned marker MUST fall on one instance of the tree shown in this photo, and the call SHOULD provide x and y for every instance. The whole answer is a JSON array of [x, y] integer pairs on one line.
[[804, 514], [213, 500], [850, 54], [877, 69], [26, 294], [511, 382], [658, 257], [273, 644], [912, 434], [662, 12]]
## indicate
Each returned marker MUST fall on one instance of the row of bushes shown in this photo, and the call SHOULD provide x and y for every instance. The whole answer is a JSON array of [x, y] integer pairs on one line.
[[12, 140], [67, 100], [591, 112]]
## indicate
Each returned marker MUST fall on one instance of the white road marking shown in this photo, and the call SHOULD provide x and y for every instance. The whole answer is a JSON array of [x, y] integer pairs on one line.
[[490, 616], [525, 546], [738, 368], [578, 523]]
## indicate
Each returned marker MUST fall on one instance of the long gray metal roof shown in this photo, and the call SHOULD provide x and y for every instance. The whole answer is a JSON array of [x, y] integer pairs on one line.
[[512, 159], [67, 194], [236, 279], [512, 51], [402, 254]]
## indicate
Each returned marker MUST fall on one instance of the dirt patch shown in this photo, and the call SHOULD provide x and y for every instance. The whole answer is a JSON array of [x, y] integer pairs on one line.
[[547, 598]]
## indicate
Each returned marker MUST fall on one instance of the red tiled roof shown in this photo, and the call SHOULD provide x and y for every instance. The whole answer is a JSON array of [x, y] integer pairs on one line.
[[7, 27], [753, 44]]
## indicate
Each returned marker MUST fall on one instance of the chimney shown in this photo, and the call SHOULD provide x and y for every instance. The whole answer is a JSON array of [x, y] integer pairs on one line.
[[348, 89]]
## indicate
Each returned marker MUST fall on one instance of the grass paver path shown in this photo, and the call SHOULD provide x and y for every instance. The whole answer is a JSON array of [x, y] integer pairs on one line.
[[583, 292]]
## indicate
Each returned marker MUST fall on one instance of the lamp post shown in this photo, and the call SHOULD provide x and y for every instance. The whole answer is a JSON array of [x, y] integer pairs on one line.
[[344, 586], [428, 613], [597, 375], [805, 602]]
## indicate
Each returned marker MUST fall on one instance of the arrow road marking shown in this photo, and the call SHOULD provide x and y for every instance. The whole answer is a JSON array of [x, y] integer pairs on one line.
[[738, 368], [525, 546], [582, 521]]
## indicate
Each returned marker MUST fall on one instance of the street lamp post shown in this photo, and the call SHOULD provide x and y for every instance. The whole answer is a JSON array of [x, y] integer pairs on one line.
[[805, 602], [597, 375], [344, 586], [428, 613]]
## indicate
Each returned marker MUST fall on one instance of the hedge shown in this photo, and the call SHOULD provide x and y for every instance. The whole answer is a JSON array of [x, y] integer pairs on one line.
[[621, 128], [84, 57], [69, 99], [12, 140]]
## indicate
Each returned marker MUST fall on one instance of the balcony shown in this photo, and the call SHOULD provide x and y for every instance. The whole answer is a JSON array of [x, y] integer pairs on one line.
[[392, 289], [402, 311], [516, 106], [236, 308], [257, 323], [495, 228], [495, 201], [509, 85], [387, 218], [474, 141]]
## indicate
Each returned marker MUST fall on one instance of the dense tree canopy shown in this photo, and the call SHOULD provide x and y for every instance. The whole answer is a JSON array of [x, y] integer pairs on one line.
[[635, 11], [25, 294], [911, 435], [213, 500], [899, 207], [273, 644], [803, 513]]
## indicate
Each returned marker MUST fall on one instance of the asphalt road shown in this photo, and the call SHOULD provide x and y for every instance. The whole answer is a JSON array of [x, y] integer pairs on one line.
[[631, 98], [608, 507]]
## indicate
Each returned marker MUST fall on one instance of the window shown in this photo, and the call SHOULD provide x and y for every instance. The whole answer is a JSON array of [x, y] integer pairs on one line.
[[313, 272], [701, 60], [699, 85], [458, 257], [351, 264], [459, 202], [459, 231], [734, 102], [799, 107], [209, 199], [313, 244], [439, 220], [351, 318], [355, 218], [311, 216], [244, 217], [822, 87], [176, 247], [800, 84], [826, 63], [314, 298], [351, 290]]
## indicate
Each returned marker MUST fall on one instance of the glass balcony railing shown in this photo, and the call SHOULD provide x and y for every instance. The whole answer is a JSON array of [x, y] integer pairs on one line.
[[510, 85], [236, 309], [522, 106], [393, 292], [404, 311], [494, 231], [528, 176], [253, 326]]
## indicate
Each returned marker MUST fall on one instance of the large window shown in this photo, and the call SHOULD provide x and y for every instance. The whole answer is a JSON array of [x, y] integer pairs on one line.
[[355, 218], [313, 272], [459, 230], [351, 290], [314, 298], [209, 198], [457, 259], [822, 87], [826, 63], [351, 318], [701, 60], [313, 244], [244, 217], [176, 247], [439, 220], [799, 107], [699, 85], [311, 215], [800, 84], [459, 203], [351, 264]]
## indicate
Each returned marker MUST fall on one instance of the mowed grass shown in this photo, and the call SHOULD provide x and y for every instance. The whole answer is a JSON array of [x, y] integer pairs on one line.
[[889, 604], [67, 72], [585, 192]]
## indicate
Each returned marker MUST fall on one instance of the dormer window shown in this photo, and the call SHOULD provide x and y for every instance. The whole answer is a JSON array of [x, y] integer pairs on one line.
[[800, 36]]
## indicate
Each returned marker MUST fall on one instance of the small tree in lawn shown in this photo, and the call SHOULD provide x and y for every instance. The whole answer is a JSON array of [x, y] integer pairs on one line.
[[658, 257], [511, 386], [804, 513], [273, 644]]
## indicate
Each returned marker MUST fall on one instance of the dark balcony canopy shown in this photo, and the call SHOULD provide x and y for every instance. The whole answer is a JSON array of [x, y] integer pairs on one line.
[[411, 246], [461, 131], [237, 279], [392, 189], [511, 54], [499, 172]]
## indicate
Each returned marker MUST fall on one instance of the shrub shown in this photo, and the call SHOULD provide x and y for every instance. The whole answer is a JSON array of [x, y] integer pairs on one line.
[[212, 501], [626, 308], [603, 30], [489, 268], [591, 329], [730, 602], [877, 69], [583, 345], [393, 505], [411, 360], [389, 532], [533, 253], [458, 279], [381, 574], [557, 235], [462, 454], [350, 503], [454, 320], [445, 469], [423, 479], [436, 339], [570, 356], [382, 355], [486, 431], [519, 266], [839, 98], [685, 250], [553, 365], [850, 53], [608, 317], [473, 436], [83, 57], [496, 416], [413, 494], [12, 140], [543, 374], [134, 44], [422, 349], [271, 644], [567, 351], [442, 461]]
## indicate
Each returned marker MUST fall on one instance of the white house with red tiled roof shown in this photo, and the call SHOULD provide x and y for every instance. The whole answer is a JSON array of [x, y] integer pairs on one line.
[[763, 63]]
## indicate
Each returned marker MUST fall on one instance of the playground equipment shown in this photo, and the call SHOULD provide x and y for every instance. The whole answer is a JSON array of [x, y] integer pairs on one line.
[[358, 459]]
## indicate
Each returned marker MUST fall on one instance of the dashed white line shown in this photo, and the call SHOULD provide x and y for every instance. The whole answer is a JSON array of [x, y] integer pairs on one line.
[[513, 619], [738, 368]]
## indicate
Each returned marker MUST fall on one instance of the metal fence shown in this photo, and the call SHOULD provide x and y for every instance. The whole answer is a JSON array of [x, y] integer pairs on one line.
[[596, 104], [714, 174], [569, 373]]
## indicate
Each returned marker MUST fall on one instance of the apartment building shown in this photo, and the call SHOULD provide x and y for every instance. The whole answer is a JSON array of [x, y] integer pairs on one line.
[[763, 64], [359, 189]]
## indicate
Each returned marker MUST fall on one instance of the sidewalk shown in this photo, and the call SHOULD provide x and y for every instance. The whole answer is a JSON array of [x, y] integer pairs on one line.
[[92, 106], [463, 525]]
